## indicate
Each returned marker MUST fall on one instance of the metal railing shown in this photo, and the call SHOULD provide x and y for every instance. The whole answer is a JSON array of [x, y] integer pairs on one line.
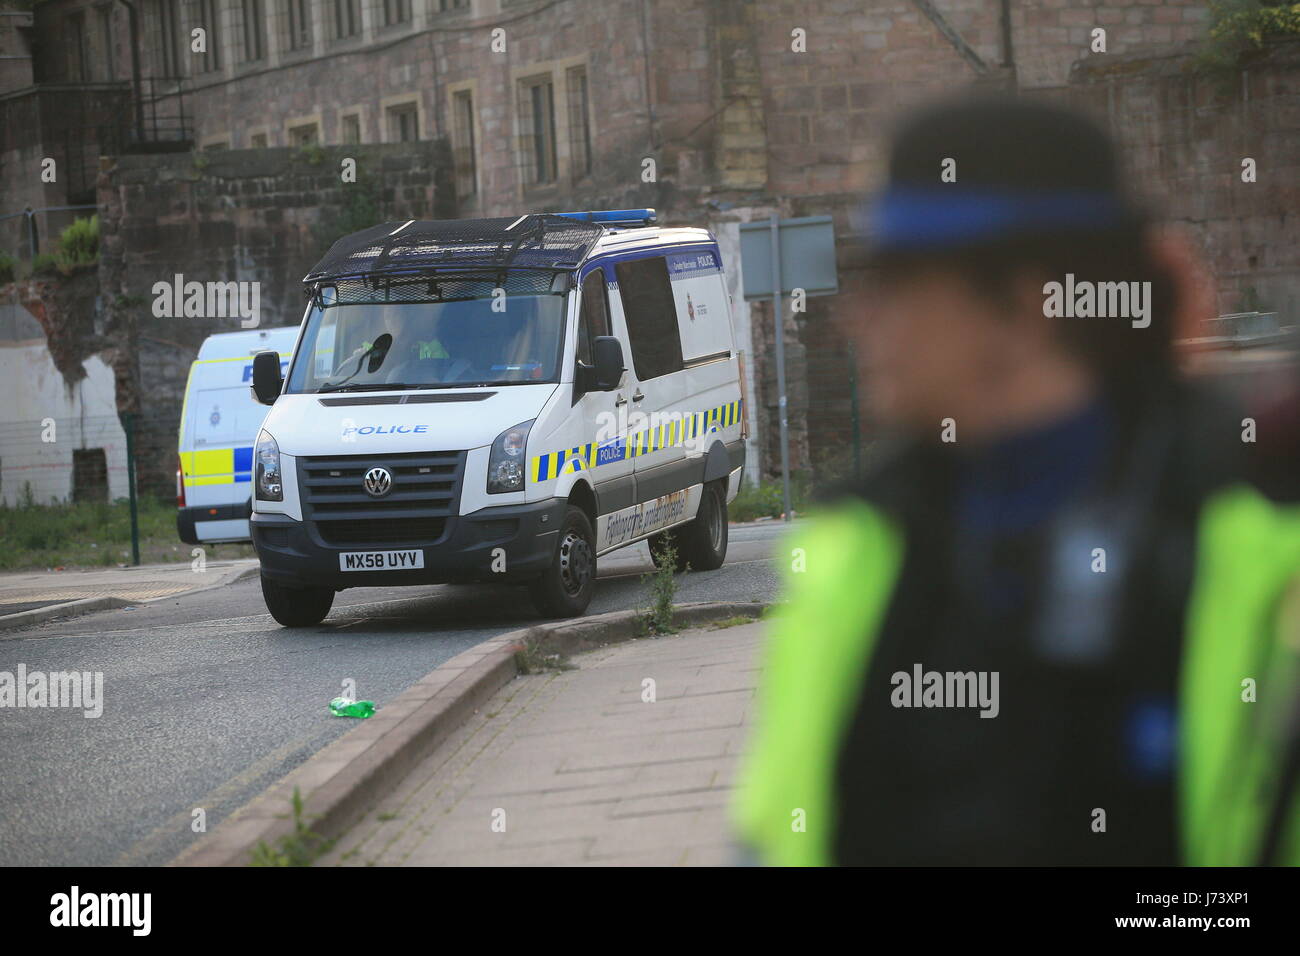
[[28, 242]]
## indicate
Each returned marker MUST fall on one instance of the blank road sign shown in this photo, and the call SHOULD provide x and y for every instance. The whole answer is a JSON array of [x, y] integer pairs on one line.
[[807, 257]]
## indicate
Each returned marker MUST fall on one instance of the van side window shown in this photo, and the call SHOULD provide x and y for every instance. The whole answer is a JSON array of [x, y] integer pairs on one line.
[[651, 316], [593, 319]]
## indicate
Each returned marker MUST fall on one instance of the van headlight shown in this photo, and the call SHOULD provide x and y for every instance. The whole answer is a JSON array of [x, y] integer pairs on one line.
[[506, 463], [267, 478]]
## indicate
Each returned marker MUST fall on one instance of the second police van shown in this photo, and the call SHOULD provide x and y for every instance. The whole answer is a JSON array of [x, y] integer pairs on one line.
[[498, 400], [219, 424]]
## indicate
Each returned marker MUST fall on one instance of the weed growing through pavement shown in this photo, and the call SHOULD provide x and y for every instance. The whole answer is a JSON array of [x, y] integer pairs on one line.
[[735, 621], [298, 848], [532, 659], [658, 617]]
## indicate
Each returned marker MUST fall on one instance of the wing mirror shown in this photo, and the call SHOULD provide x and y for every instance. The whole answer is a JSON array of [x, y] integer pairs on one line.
[[266, 377], [607, 352]]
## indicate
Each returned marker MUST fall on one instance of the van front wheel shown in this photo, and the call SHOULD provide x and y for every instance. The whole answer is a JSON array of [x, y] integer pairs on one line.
[[296, 607], [565, 588]]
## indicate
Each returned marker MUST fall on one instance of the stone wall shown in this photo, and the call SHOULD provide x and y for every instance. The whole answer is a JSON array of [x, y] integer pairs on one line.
[[263, 216], [1185, 137]]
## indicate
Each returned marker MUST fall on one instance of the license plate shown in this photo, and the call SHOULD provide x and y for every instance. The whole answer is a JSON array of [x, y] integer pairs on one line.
[[380, 560]]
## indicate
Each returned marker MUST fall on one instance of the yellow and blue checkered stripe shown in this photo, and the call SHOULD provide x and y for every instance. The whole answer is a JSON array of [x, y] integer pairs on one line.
[[217, 466], [668, 435]]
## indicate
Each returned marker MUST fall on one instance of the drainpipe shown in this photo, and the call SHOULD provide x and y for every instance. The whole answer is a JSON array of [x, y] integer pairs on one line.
[[133, 22], [1008, 51]]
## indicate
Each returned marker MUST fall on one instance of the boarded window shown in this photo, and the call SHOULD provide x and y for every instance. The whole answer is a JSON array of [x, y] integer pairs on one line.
[[89, 475]]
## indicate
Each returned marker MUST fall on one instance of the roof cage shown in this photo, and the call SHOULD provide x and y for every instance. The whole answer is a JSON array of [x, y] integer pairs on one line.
[[546, 241]]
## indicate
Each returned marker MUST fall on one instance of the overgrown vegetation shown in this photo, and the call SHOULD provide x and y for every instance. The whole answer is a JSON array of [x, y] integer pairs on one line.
[[362, 209], [95, 534], [765, 500], [79, 243], [8, 265], [313, 154], [1239, 28], [78, 247], [299, 848]]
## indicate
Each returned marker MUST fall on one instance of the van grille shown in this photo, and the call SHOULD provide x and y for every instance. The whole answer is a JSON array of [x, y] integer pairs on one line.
[[425, 494]]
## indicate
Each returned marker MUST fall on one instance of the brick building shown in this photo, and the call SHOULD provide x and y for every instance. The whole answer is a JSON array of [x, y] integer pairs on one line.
[[714, 111]]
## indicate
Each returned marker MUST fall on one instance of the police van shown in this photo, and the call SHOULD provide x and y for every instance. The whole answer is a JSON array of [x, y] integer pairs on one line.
[[219, 423], [498, 400]]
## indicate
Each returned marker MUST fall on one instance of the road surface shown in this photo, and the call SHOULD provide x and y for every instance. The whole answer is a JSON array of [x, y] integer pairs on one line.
[[207, 701]]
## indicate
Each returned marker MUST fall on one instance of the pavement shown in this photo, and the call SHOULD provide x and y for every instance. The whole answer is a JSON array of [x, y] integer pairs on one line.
[[31, 597], [593, 765]]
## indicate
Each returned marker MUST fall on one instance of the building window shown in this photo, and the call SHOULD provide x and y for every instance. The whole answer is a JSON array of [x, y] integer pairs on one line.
[[258, 141], [537, 124], [206, 15], [297, 24], [350, 128], [252, 30], [214, 146], [462, 131], [579, 122], [105, 15], [305, 135], [445, 6], [347, 18], [78, 61], [396, 11], [166, 30], [403, 123]]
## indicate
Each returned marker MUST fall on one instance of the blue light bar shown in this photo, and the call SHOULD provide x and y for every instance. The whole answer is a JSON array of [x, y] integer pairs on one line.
[[643, 217]]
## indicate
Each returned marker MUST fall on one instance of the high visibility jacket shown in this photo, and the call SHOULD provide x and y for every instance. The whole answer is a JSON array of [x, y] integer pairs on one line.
[[1237, 687]]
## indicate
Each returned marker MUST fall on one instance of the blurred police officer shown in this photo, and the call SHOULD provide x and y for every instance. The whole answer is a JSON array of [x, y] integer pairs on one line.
[[1050, 627]]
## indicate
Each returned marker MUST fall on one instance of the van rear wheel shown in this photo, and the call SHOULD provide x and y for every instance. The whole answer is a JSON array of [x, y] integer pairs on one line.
[[565, 588], [296, 607], [700, 544]]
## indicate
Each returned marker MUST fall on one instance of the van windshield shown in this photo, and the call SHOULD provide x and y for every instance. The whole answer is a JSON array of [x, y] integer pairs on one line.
[[395, 345]]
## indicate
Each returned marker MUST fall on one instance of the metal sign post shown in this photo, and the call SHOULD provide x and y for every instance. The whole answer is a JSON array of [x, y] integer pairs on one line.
[[779, 321], [796, 254]]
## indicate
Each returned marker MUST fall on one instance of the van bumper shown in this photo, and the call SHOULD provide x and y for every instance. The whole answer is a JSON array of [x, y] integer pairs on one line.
[[200, 524], [466, 551]]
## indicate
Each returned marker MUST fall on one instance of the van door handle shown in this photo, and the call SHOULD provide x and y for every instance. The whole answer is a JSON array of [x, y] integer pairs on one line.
[[637, 396], [620, 401]]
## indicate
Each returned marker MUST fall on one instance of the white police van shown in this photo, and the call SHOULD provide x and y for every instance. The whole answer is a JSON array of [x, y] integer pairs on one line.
[[498, 399], [219, 423]]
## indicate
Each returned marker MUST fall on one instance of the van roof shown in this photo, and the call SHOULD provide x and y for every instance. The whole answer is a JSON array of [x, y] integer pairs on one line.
[[618, 239], [246, 342], [547, 241]]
